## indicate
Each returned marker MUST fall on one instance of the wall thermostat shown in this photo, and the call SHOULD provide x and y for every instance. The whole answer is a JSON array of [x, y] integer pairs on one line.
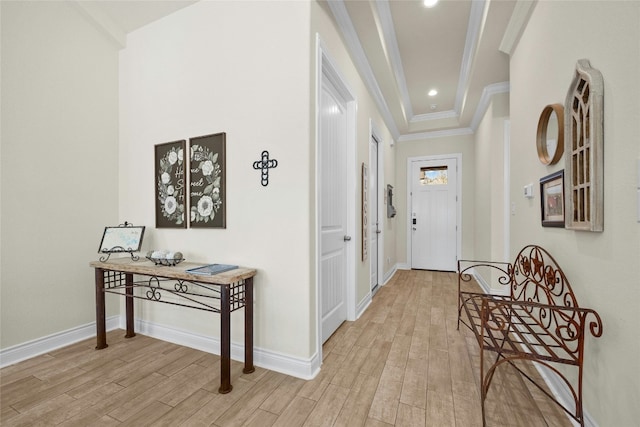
[[528, 191]]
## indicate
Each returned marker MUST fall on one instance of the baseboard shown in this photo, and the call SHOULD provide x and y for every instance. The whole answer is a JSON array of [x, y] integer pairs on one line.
[[27, 350], [562, 393], [486, 288], [483, 283], [363, 304], [389, 274], [403, 266], [301, 368]]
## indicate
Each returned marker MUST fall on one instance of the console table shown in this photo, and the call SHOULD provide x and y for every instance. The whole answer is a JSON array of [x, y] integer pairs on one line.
[[220, 293]]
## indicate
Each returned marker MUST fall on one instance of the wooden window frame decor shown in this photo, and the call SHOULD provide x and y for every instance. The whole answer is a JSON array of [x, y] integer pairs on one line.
[[170, 173], [207, 181], [552, 207], [584, 150], [365, 212]]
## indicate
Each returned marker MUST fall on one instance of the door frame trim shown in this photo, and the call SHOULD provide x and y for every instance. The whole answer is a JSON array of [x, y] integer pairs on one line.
[[458, 158], [326, 66], [375, 134]]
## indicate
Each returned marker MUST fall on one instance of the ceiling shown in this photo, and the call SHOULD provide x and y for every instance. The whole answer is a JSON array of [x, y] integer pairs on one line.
[[402, 50]]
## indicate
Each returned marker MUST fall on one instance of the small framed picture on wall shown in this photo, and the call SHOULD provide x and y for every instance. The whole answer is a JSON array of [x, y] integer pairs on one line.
[[552, 200]]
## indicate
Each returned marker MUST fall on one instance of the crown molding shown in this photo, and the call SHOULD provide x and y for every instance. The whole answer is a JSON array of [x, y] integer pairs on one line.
[[360, 59], [395, 61], [487, 93], [435, 116], [435, 134], [485, 99], [477, 18], [518, 22]]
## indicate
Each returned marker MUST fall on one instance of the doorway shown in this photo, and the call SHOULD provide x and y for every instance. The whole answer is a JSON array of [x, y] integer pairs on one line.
[[335, 178], [434, 230]]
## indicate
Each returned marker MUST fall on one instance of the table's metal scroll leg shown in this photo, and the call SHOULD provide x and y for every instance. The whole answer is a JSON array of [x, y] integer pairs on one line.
[[225, 341], [129, 305], [248, 326], [101, 329]]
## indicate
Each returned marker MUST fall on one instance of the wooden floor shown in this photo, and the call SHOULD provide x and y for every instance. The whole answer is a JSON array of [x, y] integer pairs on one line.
[[403, 363]]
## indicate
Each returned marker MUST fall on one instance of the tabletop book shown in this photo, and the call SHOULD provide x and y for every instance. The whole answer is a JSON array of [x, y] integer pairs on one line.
[[211, 269]]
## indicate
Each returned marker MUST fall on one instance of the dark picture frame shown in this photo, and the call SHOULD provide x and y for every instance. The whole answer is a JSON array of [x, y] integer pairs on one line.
[[552, 200], [207, 181], [170, 174]]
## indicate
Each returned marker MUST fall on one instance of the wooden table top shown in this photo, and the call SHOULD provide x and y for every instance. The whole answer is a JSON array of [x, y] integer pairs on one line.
[[146, 267]]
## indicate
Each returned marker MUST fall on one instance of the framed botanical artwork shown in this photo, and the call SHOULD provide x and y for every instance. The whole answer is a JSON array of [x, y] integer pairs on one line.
[[207, 192], [552, 200], [170, 176]]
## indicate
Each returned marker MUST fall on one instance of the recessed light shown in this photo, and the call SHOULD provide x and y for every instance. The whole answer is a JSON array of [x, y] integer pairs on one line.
[[429, 3], [432, 92]]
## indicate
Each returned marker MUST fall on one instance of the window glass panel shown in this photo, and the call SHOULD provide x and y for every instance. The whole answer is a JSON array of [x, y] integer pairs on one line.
[[434, 176]]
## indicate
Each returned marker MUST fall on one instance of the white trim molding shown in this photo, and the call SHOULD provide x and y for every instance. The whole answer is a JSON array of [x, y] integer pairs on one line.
[[518, 22], [37, 347], [306, 369]]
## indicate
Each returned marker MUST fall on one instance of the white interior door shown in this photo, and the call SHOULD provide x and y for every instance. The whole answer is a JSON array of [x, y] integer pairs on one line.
[[333, 208], [374, 231], [434, 215]]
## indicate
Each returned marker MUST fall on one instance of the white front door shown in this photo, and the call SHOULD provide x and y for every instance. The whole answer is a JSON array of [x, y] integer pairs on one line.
[[434, 214], [374, 231], [333, 208]]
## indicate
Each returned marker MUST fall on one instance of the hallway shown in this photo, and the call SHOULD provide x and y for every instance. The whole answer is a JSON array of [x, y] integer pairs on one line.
[[403, 363]]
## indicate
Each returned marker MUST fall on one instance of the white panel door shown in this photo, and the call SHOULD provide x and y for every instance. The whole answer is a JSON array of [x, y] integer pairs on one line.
[[374, 231], [434, 214], [333, 208]]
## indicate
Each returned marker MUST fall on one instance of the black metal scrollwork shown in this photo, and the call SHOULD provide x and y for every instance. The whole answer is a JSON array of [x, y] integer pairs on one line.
[[154, 291], [180, 286]]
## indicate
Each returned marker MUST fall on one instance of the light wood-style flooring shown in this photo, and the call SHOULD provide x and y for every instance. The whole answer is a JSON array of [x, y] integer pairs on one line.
[[403, 363]]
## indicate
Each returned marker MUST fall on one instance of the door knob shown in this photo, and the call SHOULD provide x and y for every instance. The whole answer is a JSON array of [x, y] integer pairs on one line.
[[347, 238]]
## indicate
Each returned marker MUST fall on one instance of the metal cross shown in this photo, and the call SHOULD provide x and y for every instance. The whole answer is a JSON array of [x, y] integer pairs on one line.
[[265, 164]]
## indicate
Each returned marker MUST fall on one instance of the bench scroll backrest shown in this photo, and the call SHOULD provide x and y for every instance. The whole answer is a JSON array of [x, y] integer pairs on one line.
[[538, 278]]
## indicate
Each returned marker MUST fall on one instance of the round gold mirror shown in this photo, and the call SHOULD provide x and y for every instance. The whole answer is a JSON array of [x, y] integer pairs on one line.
[[550, 135]]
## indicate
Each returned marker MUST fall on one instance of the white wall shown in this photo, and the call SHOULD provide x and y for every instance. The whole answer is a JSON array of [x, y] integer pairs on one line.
[[489, 189], [240, 68], [59, 166], [603, 268]]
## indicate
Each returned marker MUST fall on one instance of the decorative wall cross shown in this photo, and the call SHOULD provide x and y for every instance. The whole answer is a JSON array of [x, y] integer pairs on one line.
[[265, 164]]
